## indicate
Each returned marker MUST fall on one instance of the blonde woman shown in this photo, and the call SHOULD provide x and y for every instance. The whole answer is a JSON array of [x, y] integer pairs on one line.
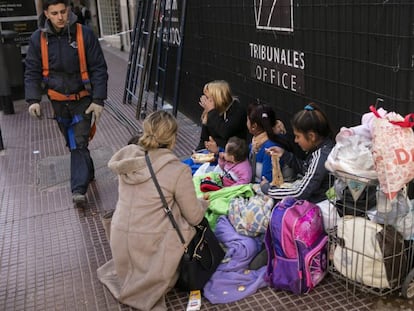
[[146, 249], [222, 116]]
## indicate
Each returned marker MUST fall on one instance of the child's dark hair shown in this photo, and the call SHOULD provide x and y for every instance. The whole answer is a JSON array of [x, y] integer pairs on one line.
[[238, 148], [265, 118], [312, 119], [47, 3]]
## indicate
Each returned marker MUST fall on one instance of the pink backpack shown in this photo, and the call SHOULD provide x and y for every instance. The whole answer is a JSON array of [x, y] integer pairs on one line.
[[297, 246]]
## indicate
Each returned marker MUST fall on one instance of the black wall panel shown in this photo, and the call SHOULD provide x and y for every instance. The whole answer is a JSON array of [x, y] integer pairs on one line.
[[353, 52]]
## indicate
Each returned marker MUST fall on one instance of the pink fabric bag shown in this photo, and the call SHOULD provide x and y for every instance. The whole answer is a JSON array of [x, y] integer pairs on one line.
[[393, 151]]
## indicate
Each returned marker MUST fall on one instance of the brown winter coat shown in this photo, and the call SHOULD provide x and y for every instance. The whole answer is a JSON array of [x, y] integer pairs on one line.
[[146, 249]]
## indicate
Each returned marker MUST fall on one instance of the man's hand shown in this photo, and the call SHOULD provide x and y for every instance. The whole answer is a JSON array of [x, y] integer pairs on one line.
[[97, 111], [35, 111]]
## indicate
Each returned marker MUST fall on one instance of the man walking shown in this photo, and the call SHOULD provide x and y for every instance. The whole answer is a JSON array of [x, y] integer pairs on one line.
[[67, 61]]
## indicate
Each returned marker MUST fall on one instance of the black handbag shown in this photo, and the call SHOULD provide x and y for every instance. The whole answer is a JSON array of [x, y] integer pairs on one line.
[[202, 255], [200, 259]]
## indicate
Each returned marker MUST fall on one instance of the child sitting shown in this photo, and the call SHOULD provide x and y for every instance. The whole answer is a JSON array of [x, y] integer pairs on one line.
[[234, 163], [313, 133]]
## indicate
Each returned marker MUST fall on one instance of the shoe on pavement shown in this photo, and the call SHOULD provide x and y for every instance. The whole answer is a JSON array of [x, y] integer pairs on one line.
[[79, 200]]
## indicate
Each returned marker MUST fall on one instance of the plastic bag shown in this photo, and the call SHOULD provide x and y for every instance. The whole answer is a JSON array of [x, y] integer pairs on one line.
[[393, 151], [352, 153], [203, 169]]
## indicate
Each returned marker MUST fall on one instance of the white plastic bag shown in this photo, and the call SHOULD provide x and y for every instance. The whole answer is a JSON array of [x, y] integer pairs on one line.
[[203, 169]]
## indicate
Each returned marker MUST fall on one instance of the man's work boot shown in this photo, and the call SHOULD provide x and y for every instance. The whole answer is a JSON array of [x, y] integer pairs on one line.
[[79, 200]]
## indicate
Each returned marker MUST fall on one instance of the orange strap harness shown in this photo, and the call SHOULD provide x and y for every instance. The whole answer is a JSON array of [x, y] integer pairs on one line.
[[54, 95]]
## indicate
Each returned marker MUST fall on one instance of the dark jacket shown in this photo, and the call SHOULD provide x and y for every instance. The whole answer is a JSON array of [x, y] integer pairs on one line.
[[64, 72], [222, 127], [315, 181]]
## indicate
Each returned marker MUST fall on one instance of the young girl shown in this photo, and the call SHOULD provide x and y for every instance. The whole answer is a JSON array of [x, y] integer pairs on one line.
[[313, 133], [261, 120], [234, 163]]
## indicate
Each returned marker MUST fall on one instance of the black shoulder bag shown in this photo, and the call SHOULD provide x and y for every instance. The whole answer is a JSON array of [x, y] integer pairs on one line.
[[202, 255]]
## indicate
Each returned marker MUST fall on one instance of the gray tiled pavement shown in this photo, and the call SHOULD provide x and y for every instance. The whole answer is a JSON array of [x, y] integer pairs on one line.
[[49, 251]]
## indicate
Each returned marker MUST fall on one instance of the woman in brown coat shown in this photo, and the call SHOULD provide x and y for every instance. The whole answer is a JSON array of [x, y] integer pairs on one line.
[[146, 249]]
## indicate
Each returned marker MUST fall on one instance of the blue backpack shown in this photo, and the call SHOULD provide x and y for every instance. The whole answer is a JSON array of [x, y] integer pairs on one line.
[[297, 246]]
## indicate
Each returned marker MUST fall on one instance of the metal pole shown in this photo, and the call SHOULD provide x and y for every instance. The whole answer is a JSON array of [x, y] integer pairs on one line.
[[151, 33], [179, 57], [132, 54], [159, 52], [150, 58], [167, 48], [1, 141], [6, 102]]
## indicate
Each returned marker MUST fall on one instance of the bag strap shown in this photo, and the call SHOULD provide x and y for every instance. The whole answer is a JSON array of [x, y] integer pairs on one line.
[[164, 202], [408, 120]]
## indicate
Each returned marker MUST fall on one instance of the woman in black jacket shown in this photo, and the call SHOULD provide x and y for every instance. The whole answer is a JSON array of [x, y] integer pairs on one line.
[[223, 116]]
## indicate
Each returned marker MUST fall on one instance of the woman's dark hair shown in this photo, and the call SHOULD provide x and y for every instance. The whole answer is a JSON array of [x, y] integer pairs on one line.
[[312, 119], [238, 148], [265, 118], [47, 3]]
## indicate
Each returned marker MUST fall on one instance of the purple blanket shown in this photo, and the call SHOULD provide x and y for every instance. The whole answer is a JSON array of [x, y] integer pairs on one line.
[[233, 280]]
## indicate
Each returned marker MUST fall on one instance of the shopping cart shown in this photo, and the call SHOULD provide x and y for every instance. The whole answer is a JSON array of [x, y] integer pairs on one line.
[[370, 241]]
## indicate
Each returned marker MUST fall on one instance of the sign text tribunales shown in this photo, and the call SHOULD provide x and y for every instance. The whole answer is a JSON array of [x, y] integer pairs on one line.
[[281, 67]]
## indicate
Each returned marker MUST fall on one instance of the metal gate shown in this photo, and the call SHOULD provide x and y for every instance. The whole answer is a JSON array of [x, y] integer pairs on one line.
[[155, 56]]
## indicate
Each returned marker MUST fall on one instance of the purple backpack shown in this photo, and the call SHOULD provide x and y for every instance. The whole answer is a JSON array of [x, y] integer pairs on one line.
[[297, 246]]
